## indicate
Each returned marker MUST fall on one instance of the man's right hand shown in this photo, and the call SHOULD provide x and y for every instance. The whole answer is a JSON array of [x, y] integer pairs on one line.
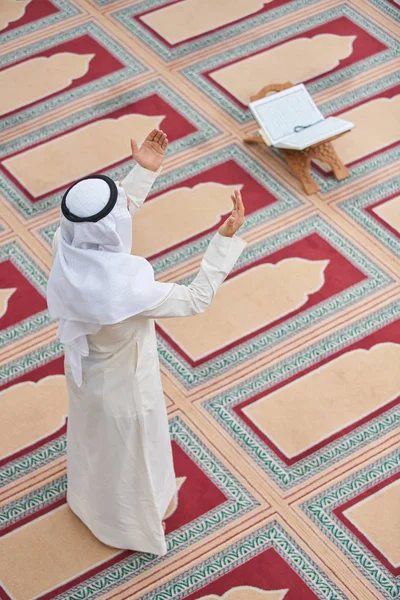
[[236, 220], [151, 153]]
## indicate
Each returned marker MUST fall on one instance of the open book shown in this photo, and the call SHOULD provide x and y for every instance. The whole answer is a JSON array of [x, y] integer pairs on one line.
[[291, 120]]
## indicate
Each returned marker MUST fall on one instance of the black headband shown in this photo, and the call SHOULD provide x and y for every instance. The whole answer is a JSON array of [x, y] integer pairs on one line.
[[104, 211]]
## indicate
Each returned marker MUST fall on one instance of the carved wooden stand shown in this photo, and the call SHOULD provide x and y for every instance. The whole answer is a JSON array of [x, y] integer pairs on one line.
[[299, 161]]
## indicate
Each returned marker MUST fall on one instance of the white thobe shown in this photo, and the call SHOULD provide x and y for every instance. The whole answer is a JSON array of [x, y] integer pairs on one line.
[[121, 476]]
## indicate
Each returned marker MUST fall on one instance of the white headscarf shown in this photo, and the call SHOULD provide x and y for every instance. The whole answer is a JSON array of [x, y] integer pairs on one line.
[[95, 280]]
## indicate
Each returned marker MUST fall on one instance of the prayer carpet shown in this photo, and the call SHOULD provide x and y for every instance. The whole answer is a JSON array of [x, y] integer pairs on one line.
[[283, 397]]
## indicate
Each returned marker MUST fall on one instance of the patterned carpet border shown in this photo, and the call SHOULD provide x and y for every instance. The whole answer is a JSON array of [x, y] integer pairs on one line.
[[320, 510], [132, 68]]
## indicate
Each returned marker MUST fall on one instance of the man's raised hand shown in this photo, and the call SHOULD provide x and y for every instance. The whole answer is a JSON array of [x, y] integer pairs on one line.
[[152, 152], [236, 220]]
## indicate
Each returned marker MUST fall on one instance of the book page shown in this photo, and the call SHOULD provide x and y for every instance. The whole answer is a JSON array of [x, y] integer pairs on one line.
[[280, 113], [316, 133]]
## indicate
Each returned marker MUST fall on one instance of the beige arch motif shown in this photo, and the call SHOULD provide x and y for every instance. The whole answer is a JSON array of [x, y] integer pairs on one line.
[[5, 295], [377, 125], [390, 212], [39, 77], [89, 149], [248, 593], [260, 296], [382, 532], [44, 405], [333, 397], [188, 18], [175, 500], [296, 61], [11, 10], [188, 211], [31, 544]]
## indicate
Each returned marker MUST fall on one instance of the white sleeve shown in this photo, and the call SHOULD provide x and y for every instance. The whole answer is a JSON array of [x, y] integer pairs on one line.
[[56, 241], [137, 185], [218, 261]]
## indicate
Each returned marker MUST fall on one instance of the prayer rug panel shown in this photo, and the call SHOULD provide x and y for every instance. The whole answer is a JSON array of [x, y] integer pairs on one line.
[[282, 285], [73, 147], [174, 29], [205, 198], [302, 416], [320, 51], [266, 565], [347, 514], [21, 18], [209, 498], [62, 68]]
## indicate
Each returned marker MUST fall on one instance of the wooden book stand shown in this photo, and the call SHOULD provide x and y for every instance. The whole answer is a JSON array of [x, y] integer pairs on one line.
[[299, 161]]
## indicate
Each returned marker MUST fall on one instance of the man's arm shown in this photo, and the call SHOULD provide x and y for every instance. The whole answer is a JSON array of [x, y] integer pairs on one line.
[[189, 300], [149, 158], [219, 259], [137, 185]]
